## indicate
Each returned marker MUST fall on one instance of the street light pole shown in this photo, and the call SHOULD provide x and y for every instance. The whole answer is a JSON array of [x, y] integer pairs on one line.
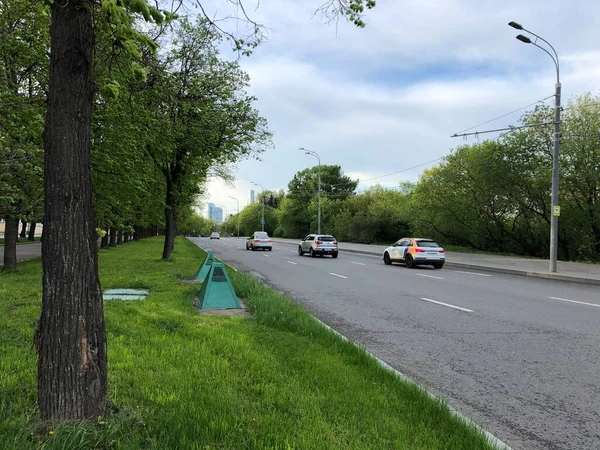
[[238, 213], [262, 221], [316, 155], [555, 212]]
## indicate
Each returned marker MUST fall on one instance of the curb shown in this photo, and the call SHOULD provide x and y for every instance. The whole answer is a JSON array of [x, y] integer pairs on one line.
[[493, 440], [523, 273]]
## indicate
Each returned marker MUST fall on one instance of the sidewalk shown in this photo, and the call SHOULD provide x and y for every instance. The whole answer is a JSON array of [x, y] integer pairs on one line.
[[24, 252], [567, 271]]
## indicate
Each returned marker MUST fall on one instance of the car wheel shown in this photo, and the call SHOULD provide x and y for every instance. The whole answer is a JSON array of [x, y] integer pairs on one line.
[[311, 253], [386, 259], [334, 255], [410, 262], [270, 249], [300, 251], [438, 265]]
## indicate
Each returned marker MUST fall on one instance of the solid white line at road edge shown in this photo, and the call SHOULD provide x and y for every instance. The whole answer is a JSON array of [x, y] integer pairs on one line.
[[446, 304], [474, 273], [291, 262], [360, 264], [574, 301], [337, 275], [429, 276]]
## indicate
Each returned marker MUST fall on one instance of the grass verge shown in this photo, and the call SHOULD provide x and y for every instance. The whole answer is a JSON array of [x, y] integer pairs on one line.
[[178, 380]]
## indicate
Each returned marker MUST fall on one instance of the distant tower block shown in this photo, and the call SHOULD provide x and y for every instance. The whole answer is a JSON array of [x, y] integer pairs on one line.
[[251, 196]]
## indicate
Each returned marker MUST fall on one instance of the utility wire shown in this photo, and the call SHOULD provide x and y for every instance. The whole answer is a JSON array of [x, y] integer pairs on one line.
[[403, 170], [476, 133], [507, 114]]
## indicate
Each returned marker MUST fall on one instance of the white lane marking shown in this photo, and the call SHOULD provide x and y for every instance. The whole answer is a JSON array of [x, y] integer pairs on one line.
[[446, 304], [429, 276], [574, 301], [265, 255], [474, 273], [360, 264], [336, 275], [291, 262]]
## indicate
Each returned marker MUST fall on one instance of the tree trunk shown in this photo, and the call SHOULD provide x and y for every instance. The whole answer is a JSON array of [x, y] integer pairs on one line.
[[11, 231], [112, 237], [23, 233], [120, 237], [104, 240], [169, 233], [31, 236], [136, 233], [71, 338]]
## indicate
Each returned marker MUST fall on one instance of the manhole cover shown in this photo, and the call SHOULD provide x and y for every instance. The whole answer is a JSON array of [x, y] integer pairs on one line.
[[125, 294]]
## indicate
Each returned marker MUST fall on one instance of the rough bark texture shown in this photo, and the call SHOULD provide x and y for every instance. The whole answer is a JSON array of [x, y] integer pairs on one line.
[[70, 339], [23, 233], [31, 236], [11, 230], [112, 242]]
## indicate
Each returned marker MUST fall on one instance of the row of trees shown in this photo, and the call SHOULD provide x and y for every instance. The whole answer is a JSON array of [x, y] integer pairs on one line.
[[492, 195], [129, 130]]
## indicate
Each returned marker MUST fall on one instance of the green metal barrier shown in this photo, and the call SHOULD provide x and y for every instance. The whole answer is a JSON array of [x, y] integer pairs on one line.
[[205, 267], [217, 291]]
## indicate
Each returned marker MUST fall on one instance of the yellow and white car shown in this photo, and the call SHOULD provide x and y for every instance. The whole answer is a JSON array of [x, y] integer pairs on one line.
[[415, 252]]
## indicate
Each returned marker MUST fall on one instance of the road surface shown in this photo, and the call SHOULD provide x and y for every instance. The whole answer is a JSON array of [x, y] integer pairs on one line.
[[520, 356], [24, 252]]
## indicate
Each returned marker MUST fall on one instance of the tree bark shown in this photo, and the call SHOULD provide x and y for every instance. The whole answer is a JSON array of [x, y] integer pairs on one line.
[[136, 233], [11, 231], [169, 233], [112, 237], [120, 237], [23, 233], [104, 241], [31, 236], [70, 339]]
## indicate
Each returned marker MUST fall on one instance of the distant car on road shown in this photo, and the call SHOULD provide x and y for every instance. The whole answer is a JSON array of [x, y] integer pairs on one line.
[[415, 252], [319, 244], [260, 239], [215, 235]]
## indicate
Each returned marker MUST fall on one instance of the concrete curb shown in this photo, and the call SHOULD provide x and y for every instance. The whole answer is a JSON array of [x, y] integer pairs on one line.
[[493, 440], [523, 273]]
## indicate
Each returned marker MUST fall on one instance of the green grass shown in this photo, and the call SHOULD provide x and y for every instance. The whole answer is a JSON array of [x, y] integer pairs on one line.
[[179, 380], [22, 241]]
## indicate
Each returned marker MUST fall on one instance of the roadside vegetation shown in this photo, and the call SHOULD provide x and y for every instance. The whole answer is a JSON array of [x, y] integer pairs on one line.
[[178, 379], [490, 196]]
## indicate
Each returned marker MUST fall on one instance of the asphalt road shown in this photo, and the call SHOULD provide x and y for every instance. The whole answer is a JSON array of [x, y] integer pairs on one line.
[[519, 356]]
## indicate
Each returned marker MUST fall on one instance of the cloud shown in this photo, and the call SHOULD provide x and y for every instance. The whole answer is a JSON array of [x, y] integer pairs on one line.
[[388, 97]]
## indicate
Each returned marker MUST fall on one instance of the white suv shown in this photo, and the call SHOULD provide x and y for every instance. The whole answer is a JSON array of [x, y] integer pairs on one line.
[[319, 244]]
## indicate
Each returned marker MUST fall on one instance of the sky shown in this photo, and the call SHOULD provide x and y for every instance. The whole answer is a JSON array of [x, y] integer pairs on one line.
[[388, 97]]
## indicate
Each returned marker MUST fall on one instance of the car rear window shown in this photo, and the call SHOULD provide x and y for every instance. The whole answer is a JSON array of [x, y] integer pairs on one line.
[[326, 238], [427, 244], [261, 235]]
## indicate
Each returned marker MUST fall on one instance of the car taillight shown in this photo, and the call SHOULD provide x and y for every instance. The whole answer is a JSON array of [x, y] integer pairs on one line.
[[256, 240], [334, 242], [442, 250], [419, 250], [318, 242], [270, 240]]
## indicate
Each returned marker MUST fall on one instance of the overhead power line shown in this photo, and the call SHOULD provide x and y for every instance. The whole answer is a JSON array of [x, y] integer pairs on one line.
[[504, 115], [475, 133], [403, 170]]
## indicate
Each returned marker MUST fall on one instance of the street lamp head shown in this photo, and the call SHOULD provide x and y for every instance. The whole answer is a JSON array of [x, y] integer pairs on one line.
[[524, 39], [516, 25]]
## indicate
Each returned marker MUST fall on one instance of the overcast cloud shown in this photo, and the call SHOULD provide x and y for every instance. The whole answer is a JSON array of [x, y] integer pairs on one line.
[[388, 97]]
